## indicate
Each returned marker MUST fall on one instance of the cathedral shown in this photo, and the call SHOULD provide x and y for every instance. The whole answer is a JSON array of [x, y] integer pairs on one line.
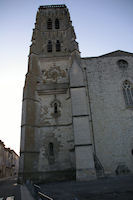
[[77, 113]]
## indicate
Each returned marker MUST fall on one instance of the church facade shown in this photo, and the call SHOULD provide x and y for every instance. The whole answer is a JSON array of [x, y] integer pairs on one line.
[[77, 113]]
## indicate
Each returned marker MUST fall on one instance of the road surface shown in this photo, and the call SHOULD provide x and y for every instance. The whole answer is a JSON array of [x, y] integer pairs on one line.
[[9, 189]]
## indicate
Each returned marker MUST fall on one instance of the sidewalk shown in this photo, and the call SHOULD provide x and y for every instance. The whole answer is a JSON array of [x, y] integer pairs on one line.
[[25, 194], [6, 178]]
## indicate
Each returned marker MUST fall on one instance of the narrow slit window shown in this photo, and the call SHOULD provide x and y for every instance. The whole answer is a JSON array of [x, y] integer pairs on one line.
[[51, 149], [58, 46], [49, 24], [128, 93], [49, 46], [55, 108], [57, 24]]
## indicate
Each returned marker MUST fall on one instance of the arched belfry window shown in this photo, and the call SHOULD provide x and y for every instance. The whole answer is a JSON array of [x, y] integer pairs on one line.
[[58, 46], [128, 93], [57, 24], [49, 24], [49, 46], [51, 149]]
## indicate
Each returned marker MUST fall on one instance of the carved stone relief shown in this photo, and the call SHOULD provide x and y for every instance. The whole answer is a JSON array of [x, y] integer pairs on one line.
[[54, 73]]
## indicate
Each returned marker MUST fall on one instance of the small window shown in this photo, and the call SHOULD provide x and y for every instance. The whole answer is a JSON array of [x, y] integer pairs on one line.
[[58, 46], [128, 93], [49, 24], [51, 149], [57, 24], [49, 46], [55, 108], [123, 64]]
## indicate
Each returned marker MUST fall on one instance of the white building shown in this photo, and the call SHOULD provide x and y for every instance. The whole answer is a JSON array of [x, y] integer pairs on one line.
[[9, 161]]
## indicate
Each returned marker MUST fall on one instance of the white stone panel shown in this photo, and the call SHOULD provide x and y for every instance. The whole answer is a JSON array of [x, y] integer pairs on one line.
[[79, 102], [76, 75], [85, 169], [84, 157], [81, 130]]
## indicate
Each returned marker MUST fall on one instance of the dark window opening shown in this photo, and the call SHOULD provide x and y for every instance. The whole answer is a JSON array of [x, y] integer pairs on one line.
[[57, 24], [49, 24], [51, 149], [58, 46], [49, 46], [128, 93], [55, 108], [123, 64]]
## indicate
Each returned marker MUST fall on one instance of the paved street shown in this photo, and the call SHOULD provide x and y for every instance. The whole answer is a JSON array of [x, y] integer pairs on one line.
[[113, 188], [9, 189]]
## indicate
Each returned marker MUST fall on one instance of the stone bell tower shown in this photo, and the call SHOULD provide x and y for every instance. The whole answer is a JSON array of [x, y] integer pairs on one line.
[[55, 135]]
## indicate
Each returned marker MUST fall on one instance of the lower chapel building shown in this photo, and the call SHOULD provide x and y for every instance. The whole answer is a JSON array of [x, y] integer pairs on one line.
[[77, 113]]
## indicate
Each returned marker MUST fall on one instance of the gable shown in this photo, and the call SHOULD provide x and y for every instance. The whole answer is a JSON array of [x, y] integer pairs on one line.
[[113, 54], [117, 53]]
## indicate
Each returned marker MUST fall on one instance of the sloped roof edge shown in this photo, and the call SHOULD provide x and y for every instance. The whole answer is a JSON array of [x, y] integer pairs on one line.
[[113, 54]]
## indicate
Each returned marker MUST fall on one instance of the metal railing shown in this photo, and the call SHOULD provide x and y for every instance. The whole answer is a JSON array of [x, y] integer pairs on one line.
[[36, 192], [44, 196], [39, 195]]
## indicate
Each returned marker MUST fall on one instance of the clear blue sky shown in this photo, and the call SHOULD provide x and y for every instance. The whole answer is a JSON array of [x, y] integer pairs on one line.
[[101, 26]]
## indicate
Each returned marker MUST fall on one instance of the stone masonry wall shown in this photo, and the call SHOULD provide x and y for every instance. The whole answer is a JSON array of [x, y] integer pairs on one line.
[[112, 120]]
